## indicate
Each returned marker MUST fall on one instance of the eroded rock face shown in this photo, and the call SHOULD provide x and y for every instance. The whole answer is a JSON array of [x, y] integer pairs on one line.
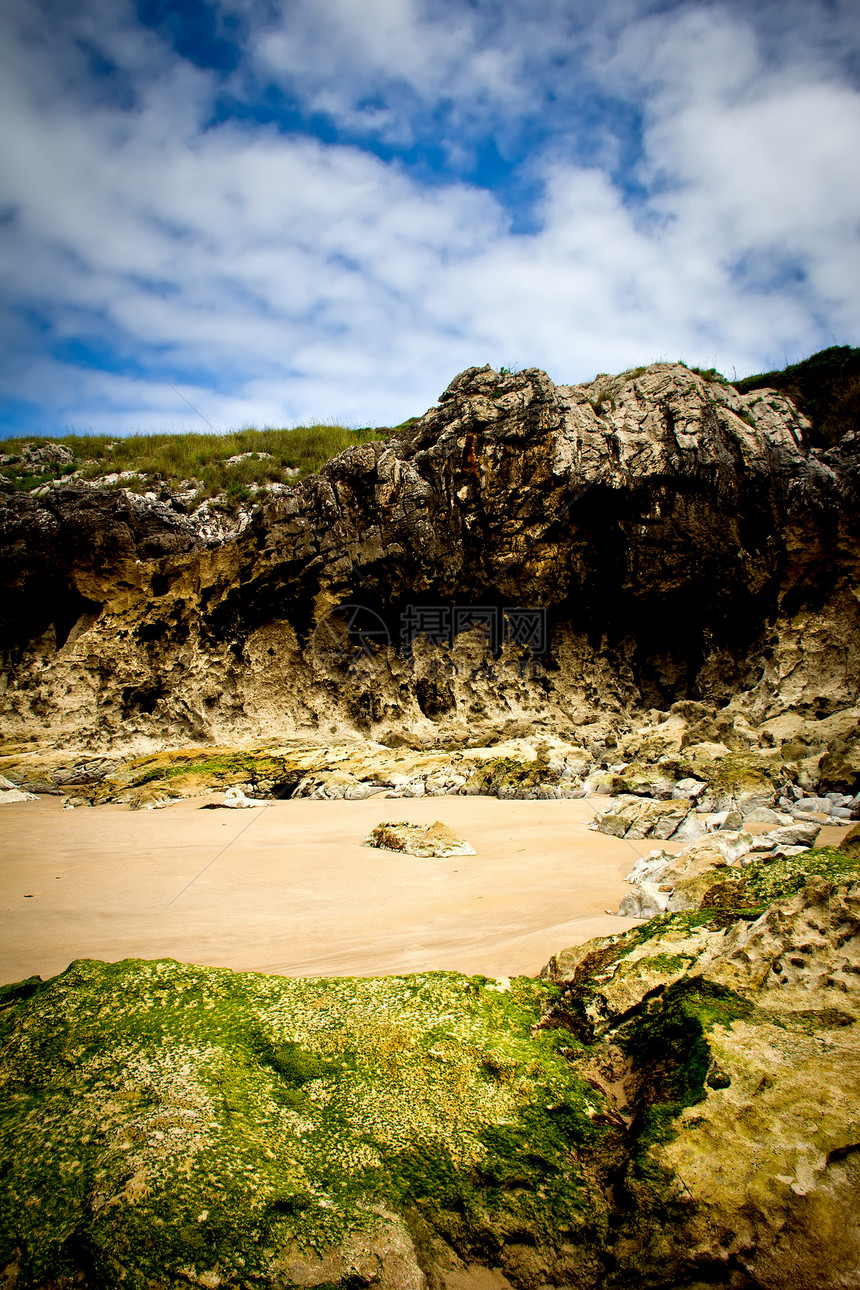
[[682, 539], [748, 1030]]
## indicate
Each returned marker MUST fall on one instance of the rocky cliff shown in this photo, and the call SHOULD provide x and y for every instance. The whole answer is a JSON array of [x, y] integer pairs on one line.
[[644, 587], [681, 541]]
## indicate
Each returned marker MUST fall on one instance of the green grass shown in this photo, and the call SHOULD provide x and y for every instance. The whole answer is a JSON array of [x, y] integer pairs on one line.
[[198, 459], [707, 373], [825, 386]]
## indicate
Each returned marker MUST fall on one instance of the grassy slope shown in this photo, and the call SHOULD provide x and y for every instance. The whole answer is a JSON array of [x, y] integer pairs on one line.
[[196, 459], [826, 388]]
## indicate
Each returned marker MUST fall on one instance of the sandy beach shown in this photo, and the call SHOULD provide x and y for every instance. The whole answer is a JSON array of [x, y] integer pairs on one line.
[[289, 889]]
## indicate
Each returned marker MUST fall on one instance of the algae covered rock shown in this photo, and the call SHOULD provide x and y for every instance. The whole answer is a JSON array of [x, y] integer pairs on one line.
[[735, 1044], [419, 839], [509, 777], [171, 1125], [672, 1106]]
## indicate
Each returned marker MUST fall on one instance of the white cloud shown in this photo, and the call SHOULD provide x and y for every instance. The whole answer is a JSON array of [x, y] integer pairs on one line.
[[275, 278]]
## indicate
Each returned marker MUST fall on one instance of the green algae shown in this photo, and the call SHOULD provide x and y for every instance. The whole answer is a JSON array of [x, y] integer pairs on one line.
[[166, 1125], [767, 879], [737, 771], [509, 773], [668, 1042], [224, 767], [159, 1116], [665, 962]]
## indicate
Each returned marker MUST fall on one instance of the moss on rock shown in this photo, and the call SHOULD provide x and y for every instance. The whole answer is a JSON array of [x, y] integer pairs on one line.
[[159, 1118], [768, 879], [507, 777]]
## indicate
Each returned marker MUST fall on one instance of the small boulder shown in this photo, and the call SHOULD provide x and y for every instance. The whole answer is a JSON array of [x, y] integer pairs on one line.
[[689, 788], [48, 454], [418, 839], [795, 835], [645, 901], [640, 817], [236, 799], [650, 868], [10, 795], [690, 830], [648, 782], [765, 815]]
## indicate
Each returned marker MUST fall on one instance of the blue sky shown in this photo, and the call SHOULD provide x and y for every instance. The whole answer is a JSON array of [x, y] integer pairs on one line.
[[325, 209]]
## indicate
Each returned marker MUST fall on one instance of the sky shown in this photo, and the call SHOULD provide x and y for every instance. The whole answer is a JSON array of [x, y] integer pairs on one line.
[[274, 212]]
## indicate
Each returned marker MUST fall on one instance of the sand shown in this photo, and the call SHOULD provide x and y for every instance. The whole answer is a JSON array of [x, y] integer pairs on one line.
[[289, 889]]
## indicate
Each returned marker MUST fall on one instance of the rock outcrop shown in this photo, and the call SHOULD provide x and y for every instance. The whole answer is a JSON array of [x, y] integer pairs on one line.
[[728, 1046], [675, 1106], [419, 839], [686, 546]]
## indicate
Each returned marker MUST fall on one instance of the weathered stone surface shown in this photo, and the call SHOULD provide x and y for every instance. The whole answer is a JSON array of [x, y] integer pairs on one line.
[[12, 794], [675, 530], [793, 835], [637, 817], [644, 901], [762, 1021], [235, 799], [764, 815], [688, 880], [419, 839]]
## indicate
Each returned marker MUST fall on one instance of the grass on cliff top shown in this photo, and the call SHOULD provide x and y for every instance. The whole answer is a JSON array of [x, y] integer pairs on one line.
[[826, 388], [174, 459], [159, 1117]]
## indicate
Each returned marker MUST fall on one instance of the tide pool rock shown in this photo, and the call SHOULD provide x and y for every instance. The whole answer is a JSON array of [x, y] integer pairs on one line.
[[733, 1056], [171, 1125]]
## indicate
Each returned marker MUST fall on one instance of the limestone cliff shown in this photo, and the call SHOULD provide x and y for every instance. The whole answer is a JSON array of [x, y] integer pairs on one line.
[[684, 540]]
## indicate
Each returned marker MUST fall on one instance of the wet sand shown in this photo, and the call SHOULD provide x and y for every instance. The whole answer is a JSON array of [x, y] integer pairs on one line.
[[289, 889]]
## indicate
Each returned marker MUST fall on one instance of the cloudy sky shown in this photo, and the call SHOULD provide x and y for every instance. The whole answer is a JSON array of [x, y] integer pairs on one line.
[[296, 210]]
